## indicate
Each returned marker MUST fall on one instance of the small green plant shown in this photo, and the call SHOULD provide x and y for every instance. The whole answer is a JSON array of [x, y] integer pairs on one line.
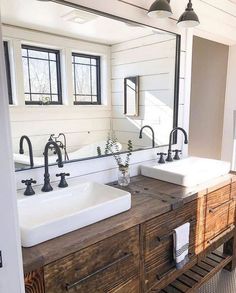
[[112, 147], [45, 100]]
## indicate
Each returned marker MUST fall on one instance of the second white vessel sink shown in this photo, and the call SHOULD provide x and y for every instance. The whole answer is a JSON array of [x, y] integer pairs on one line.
[[187, 172], [48, 215]]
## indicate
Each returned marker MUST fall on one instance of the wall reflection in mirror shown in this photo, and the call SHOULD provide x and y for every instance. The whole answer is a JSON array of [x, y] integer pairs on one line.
[[77, 78]]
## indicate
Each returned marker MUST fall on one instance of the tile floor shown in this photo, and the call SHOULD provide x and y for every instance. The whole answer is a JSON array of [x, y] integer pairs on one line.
[[223, 282]]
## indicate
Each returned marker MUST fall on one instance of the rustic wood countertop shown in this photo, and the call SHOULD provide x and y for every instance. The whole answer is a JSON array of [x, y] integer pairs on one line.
[[150, 198]]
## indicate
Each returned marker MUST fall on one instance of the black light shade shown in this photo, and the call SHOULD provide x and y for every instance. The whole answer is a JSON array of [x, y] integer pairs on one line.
[[160, 8], [189, 18]]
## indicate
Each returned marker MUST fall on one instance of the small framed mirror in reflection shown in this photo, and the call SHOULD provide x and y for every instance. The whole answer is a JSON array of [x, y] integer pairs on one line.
[[131, 96]]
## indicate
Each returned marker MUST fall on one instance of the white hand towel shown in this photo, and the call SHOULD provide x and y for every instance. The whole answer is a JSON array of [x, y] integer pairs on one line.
[[181, 245]]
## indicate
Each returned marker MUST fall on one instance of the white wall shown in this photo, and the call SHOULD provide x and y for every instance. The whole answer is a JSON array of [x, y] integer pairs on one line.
[[209, 73], [83, 123], [230, 107], [152, 58]]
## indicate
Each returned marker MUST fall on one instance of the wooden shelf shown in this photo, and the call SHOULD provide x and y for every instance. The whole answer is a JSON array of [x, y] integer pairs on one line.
[[193, 278]]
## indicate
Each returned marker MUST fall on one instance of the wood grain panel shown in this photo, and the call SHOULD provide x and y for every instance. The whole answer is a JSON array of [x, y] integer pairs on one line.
[[102, 267], [34, 282], [218, 220], [219, 196]]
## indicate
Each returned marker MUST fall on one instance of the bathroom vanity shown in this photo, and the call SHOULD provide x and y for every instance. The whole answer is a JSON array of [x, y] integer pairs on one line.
[[133, 251]]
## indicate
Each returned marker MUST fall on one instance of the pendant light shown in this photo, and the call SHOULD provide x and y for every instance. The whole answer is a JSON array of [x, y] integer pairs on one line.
[[160, 9], [189, 18]]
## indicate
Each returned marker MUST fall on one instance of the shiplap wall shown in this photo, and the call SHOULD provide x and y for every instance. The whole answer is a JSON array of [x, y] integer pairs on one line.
[[104, 170], [80, 123], [152, 58]]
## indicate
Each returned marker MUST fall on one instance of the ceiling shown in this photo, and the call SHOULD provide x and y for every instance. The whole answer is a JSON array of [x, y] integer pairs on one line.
[[217, 17], [50, 17]]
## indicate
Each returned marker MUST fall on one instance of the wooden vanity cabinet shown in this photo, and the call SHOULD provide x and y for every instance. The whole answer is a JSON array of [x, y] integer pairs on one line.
[[111, 265], [140, 259]]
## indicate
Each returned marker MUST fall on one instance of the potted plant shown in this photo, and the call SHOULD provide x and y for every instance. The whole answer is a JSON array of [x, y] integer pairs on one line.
[[112, 147]]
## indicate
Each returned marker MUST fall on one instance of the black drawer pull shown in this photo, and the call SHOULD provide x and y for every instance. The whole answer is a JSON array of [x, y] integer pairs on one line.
[[75, 284], [221, 234], [166, 236], [213, 210]]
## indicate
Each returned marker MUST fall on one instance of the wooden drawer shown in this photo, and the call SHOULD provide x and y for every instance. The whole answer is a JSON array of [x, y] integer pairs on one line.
[[219, 220], [218, 197], [105, 266], [158, 242]]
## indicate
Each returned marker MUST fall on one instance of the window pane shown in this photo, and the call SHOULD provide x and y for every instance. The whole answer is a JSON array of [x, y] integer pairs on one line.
[[26, 75], [82, 60], [94, 61], [85, 78], [94, 80], [52, 56], [94, 99], [53, 67], [84, 99], [38, 54], [39, 76], [82, 74], [54, 98]]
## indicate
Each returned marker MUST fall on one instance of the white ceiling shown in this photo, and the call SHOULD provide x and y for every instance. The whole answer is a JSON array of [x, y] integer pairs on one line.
[[48, 16], [217, 17]]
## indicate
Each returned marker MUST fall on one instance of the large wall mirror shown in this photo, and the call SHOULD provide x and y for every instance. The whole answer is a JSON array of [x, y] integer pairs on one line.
[[66, 71]]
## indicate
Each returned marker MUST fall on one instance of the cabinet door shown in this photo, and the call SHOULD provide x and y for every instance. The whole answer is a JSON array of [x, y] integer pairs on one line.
[[105, 266], [34, 282], [158, 242]]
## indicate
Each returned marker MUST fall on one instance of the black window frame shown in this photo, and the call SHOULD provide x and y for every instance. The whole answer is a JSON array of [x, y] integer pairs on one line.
[[98, 75], [59, 82], [8, 71]]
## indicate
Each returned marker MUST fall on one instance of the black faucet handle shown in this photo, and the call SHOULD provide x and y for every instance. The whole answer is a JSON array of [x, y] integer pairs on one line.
[[177, 152], [63, 182], [161, 160], [29, 190]]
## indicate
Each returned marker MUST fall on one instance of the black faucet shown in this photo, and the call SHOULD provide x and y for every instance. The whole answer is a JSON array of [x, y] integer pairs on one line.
[[47, 186], [169, 158], [62, 145], [21, 151], [153, 134]]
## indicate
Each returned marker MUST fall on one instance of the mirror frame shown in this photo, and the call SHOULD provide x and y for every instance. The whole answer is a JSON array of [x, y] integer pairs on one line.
[[176, 79]]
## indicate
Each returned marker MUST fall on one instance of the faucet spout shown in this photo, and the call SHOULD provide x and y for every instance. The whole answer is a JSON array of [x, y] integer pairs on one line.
[[153, 134], [169, 158], [21, 150], [47, 186]]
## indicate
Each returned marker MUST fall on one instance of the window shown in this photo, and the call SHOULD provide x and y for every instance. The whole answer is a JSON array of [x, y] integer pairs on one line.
[[86, 78], [42, 78], [8, 71]]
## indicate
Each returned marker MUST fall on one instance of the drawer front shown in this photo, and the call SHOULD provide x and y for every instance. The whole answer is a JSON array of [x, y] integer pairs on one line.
[[218, 220], [219, 197], [103, 267], [158, 242], [161, 226]]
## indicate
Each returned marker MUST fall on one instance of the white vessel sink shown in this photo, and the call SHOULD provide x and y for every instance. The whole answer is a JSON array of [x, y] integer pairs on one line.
[[187, 172], [48, 215]]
